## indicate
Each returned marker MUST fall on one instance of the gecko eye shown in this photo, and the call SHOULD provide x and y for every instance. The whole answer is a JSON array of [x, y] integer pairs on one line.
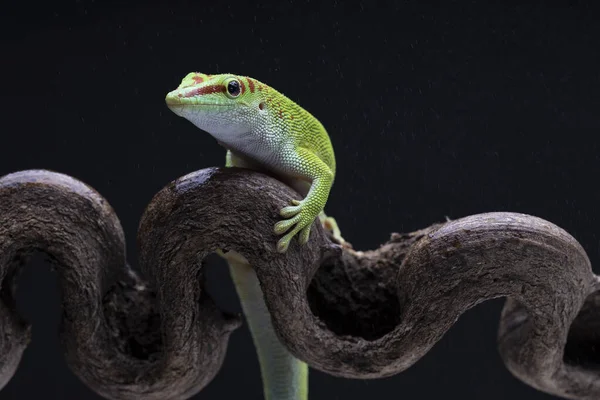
[[233, 88]]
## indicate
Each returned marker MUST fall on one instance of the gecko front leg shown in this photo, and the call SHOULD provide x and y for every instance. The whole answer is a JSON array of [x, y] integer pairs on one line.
[[329, 223], [302, 213]]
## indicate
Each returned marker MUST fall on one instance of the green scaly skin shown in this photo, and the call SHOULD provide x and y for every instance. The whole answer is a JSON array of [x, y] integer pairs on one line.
[[264, 130]]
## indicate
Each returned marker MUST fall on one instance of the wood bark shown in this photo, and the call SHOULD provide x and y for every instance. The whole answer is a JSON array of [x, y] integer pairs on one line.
[[158, 335]]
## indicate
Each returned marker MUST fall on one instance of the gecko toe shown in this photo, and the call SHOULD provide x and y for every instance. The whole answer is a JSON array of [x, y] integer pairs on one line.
[[284, 242], [290, 211], [304, 235], [282, 245], [284, 225]]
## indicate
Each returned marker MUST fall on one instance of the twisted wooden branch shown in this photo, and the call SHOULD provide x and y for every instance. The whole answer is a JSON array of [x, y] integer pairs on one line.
[[351, 314]]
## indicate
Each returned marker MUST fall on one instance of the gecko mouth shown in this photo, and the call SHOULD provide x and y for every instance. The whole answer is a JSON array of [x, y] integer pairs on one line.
[[182, 108], [175, 99], [177, 102]]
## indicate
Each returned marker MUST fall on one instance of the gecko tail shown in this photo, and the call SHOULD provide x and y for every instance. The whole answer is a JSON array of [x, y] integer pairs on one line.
[[284, 376]]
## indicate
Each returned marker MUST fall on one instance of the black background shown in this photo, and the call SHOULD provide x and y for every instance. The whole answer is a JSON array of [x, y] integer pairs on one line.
[[434, 110]]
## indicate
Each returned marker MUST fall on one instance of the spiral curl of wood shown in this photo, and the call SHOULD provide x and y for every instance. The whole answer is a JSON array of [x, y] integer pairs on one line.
[[348, 313]]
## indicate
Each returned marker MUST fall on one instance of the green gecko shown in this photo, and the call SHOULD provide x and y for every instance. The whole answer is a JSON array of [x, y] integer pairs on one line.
[[264, 130]]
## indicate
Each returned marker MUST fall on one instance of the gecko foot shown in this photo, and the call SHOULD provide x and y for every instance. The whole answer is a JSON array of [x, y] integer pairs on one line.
[[300, 219], [330, 225]]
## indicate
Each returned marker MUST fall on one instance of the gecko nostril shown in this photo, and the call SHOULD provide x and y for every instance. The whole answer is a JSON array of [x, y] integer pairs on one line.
[[261, 106]]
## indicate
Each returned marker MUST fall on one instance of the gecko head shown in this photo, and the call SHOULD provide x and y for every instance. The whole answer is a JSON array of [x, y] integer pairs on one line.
[[226, 105]]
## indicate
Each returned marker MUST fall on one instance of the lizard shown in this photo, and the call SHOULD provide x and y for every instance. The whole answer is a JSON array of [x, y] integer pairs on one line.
[[262, 129]]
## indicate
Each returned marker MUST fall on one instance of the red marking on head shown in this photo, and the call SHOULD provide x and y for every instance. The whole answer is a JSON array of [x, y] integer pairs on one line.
[[280, 113], [206, 90], [242, 85], [251, 85], [198, 79], [260, 87]]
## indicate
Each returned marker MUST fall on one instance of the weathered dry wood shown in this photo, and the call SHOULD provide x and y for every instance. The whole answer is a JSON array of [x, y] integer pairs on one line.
[[352, 314], [113, 336]]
